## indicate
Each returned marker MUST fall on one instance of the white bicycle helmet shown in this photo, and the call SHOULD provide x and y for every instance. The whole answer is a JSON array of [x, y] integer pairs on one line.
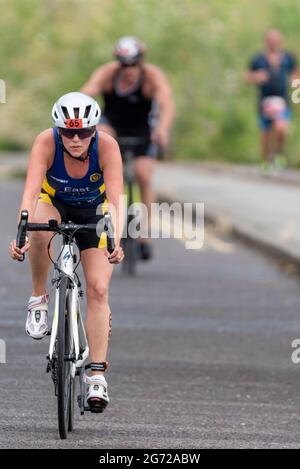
[[77, 107], [129, 50]]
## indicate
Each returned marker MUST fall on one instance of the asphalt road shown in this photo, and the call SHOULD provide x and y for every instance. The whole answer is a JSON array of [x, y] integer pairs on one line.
[[200, 353]]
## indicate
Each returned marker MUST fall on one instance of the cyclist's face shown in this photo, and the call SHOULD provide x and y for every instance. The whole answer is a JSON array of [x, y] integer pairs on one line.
[[131, 72], [75, 145]]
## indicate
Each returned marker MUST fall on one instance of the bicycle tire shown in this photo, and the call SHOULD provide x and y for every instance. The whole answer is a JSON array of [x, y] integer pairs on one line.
[[130, 259], [63, 348], [129, 244], [72, 395], [71, 405]]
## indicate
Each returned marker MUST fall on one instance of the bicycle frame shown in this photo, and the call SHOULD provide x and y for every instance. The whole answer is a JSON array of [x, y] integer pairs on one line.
[[66, 268], [77, 347], [127, 145], [77, 330]]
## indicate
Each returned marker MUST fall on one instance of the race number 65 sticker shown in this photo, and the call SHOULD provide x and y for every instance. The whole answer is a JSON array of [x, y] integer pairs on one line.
[[74, 123]]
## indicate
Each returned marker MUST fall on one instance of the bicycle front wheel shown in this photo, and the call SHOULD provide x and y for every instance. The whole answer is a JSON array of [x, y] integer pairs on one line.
[[64, 350]]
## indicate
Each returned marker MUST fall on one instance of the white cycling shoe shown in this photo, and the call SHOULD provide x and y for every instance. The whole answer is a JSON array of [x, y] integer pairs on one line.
[[37, 322], [96, 395]]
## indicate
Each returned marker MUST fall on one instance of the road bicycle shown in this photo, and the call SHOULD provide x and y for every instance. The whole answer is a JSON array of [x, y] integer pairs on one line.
[[130, 244], [68, 348]]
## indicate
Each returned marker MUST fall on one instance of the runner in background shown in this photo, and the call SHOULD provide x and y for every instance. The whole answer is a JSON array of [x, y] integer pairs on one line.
[[272, 72]]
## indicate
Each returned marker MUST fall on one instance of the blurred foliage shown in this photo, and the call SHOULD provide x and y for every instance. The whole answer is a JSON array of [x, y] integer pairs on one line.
[[50, 47]]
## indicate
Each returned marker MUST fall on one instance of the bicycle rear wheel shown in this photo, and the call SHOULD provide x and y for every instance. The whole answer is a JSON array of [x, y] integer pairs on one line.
[[129, 244], [64, 350], [130, 259]]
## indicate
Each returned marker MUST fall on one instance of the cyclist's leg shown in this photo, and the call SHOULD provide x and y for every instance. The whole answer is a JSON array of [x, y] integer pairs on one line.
[[38, 254], [98, 272]]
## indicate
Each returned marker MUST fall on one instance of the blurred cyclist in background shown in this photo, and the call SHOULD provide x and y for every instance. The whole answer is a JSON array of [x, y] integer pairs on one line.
[[272, 71], [131, 90]]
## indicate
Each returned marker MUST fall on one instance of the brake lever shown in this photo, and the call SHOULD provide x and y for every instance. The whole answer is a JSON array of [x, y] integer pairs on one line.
[[22, 230]]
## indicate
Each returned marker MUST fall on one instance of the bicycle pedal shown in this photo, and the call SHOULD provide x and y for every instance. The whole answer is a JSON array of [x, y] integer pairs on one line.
[[97, 410], [49, 332], [94, 410], [97, 406]]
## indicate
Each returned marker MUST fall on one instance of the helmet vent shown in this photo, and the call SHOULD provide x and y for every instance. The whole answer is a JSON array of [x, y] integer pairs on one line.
[[87, 111], [65, 111], [78, 106]]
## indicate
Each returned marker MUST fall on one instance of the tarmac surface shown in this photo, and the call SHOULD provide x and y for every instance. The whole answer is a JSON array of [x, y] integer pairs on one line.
[[200, 354], [263, 208]]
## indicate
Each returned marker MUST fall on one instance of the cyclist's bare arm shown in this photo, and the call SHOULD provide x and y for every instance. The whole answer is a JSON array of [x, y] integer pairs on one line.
[[40, 160], [111, 164], [99, 80], [162, 93]]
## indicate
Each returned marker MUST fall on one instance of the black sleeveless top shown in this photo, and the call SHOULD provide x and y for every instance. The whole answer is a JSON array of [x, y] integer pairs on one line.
[[127, 112]]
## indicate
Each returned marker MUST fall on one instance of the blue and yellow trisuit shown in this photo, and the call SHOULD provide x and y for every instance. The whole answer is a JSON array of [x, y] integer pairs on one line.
[[76, 199]]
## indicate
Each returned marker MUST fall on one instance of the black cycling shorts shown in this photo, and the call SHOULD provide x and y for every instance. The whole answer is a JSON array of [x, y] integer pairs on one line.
[[78, 215], [144, 149]]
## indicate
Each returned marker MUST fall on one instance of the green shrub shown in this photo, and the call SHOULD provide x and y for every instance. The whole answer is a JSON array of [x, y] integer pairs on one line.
[[49, 47]]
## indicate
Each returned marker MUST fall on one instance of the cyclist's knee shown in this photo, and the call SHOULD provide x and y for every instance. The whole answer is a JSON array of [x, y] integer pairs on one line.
[[97, 291], [143, 178], [144, 168]]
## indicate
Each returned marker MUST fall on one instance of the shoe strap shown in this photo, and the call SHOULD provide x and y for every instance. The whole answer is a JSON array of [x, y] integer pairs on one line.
[[92, 380], [40, 304], [102, 366]]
